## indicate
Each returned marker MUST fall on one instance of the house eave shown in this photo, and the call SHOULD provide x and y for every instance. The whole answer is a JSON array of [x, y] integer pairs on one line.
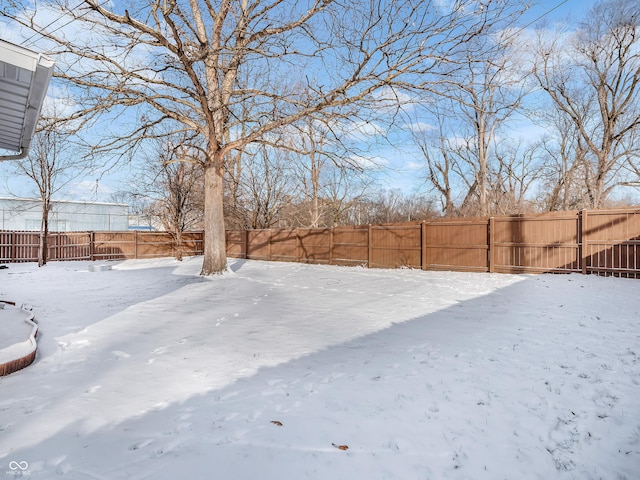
[[24, 79]]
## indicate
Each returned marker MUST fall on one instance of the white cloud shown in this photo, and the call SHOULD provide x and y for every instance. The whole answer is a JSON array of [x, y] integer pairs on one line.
[[419, 127], [90, 190], [360, 130], [414, 166], [368, 162]]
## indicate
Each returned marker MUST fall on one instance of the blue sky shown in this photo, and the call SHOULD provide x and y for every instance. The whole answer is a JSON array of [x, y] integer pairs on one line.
[[560, 9], [399, 161], [403, 173]]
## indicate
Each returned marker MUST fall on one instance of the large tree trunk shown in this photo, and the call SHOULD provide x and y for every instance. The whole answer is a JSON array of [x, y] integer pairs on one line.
[[215, 255]]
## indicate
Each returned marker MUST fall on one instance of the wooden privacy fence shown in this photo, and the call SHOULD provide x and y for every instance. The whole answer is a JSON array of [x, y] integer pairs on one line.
[[23, 246], [605, 242]]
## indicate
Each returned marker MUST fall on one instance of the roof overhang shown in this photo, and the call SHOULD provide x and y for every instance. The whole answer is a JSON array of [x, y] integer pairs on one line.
[[24, 79]]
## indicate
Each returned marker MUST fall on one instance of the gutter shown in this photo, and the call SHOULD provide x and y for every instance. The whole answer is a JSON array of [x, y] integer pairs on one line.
[[40, 68]]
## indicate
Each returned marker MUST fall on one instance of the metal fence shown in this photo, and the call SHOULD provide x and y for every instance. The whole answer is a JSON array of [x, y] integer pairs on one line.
[[604, 242]]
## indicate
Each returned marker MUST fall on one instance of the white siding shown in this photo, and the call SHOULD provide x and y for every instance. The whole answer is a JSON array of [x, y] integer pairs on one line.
[[65, 216]]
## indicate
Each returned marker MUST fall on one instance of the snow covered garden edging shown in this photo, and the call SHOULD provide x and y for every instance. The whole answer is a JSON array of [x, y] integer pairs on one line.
[[22, 354]]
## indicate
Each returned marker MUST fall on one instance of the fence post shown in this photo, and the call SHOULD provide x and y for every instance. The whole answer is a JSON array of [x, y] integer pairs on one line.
[[92, 241], [297, 246], [423, 244], [270, 236], [492, 250], [370, 246], [246, 244], [583, 220], [135, 254]]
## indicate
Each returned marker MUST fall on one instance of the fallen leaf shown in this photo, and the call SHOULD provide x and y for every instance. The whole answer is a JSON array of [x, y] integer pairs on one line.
[[341, 447], [276, 422]]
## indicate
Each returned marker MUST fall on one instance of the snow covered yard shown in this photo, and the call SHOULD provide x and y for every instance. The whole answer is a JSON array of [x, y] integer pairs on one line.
[[148, 371]]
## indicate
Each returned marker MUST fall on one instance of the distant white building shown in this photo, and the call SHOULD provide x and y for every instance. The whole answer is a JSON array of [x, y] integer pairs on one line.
[[65, 216], [148, 223]]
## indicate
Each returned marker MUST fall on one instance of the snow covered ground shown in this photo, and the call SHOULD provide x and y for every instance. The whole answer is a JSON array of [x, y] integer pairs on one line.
[[148, 371]]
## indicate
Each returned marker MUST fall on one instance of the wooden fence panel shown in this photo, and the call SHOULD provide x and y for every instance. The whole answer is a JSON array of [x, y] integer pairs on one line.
[[284, 245], [259, 244], [237, 243], [350, 246], [153, 244], [192, 243], [69, 246], [314, 245], [396, 246], [537, 243], [457, 245], [114, 245], [7, 246], [611, 243], [26, 245]]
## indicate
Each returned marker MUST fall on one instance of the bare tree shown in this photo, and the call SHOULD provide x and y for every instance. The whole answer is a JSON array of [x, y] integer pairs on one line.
[[179, 62], [344, 189], [324, 164], [564, 162], [235, 217], [312, 159], [593, 79], [181, 207], [266, 188], [141, 210], [486, 90], [392, 206], [518, 167], [54, 161], [168, 188], [456, 130], [437, 145]]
